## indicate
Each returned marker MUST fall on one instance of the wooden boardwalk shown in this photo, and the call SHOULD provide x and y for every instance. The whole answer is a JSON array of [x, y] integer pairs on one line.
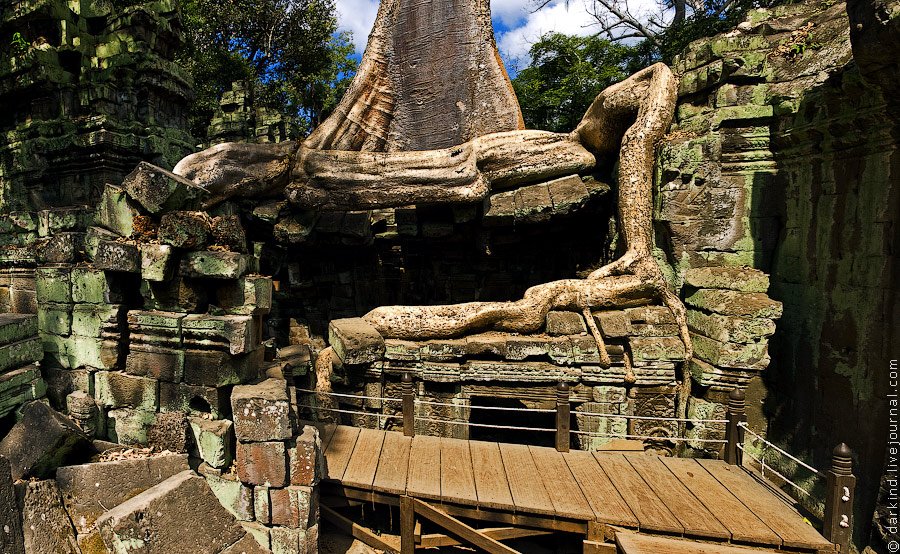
[[572, 491]]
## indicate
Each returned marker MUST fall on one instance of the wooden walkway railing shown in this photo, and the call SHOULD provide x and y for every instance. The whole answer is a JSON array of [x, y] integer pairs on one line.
[[840, 480]]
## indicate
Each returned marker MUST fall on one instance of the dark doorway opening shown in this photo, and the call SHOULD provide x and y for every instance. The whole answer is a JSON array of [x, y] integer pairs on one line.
[[510, 418]]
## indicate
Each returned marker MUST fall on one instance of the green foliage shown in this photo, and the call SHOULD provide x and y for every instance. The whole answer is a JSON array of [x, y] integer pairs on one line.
[[286, 51], [18, 44], [565, 75]]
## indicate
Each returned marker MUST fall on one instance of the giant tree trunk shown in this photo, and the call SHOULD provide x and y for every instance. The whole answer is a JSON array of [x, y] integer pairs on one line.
[[430, 78]]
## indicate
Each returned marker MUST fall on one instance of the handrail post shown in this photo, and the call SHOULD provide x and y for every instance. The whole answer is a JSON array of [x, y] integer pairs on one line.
[[734, 433], [563, 417], [840, 484], [409, 405]]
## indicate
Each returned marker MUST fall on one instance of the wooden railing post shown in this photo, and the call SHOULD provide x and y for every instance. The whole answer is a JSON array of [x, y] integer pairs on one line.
[[407, 525], [840, 484], [734, 433], [409, 405], [563, 411]]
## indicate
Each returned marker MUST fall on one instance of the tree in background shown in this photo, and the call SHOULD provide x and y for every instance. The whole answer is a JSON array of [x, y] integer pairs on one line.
[[566, 73], [286, 51]]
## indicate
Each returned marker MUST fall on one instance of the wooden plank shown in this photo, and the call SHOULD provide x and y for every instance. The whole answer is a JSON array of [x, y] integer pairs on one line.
[[525, 485], [605, 501], [560, 484], [743, 525], [635, 543], [490, 477], [767, 506], [393, 464], [457, 478], [364, 460], [497, 533], [461, 530], [651, 512], [337, 455], [358, 531], [326, 431], [696, 519], [424, 477]]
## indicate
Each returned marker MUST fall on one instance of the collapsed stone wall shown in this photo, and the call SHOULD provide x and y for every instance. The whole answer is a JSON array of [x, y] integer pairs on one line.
[[785, 159], [89, 90]]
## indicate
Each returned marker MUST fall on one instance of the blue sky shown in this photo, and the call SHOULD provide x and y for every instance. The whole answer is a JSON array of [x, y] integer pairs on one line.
[[516, 25]]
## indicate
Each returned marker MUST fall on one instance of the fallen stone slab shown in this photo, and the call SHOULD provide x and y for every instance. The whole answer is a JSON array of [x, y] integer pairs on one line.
[[16, 327], [11, 538], [158, 190], [46, 526], [239, 332], [355, 341], [117, 256], [227, 231], [565, 323], [213, 438], [170, 431], [262, 463], [180, 514], [115, 212], [235, 496], [42, 441], [90, 490], [262, 412]]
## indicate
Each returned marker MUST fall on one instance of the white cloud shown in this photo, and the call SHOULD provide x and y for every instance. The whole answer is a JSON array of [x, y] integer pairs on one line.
[[357, 16]]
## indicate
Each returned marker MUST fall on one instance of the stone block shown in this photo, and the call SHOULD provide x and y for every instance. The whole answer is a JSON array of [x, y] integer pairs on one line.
[[262, 412], [155, 522], [62, 382], [613, 323], [727, 302], [157, 261], [129, 426], [94, 286], [158, 190], [215, 368], [655, 315], [214, 439], [214, 264], [62, 248], [307, 461], [247, 544], [248, 295], [175, 295], [194, 399], [157, 362], [355, 341], [744, 279], [521, 347], [20, 386], [53, 284], [262, 506], [259, 532], [119, 390], [183, 229], [41, 441], [486, 344], [565, 323], [235, 496], [58, 220], [754, 355], [730, 328], [94, 236], [226, 230], [442, 350], [97, 320], [237, 331], [11, 538], [405, 350], [118, 481], [568, 194], [295, 507], [169, 431], [287, 540], [118, 257], [92, 352], [656, 349], [533, 203], [262, 463], [17, 327], [115, 212], [46, 526]]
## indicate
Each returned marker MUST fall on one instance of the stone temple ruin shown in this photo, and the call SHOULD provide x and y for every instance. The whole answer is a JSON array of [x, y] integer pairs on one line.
[[183, 342]]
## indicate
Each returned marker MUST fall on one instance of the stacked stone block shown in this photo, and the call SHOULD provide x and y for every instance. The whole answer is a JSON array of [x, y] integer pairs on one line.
[[277, 465], [20, 376]]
